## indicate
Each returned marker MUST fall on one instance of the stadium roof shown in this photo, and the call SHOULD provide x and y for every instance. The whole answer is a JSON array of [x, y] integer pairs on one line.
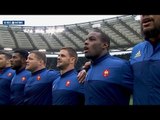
[[124, 32]]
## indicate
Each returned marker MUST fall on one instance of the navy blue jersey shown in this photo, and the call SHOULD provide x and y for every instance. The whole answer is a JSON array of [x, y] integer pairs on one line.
[[67, 90], [145, 61], [6, 76], [109, 81], [17, 87], [38, 89]]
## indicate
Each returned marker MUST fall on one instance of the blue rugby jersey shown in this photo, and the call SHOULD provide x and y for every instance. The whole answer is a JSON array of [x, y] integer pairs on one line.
[[38, 89], [145, 61], [17, 87], [66, 90], [109, 81], [6, 76]]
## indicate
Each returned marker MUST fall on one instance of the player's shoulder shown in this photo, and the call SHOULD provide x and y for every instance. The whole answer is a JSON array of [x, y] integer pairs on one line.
[[140, 45], [51, 71]]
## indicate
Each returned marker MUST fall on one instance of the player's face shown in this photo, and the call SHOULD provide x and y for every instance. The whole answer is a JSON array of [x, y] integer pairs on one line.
[[93, 46], [16, 61], [3, 61], [32, 62], [150, 25], [63, 59]]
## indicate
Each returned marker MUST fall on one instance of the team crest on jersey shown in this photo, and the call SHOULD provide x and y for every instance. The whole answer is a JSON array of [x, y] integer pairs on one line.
[[68, 83], [38, 77], [138, 54], [106, 73], [9, 74], [23, 78]]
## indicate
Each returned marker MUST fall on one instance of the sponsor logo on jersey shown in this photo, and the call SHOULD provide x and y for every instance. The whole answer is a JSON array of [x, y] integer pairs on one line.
[[138, 54]]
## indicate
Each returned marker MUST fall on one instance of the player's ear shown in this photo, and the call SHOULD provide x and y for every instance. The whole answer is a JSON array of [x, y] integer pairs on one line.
[[105, 45]]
